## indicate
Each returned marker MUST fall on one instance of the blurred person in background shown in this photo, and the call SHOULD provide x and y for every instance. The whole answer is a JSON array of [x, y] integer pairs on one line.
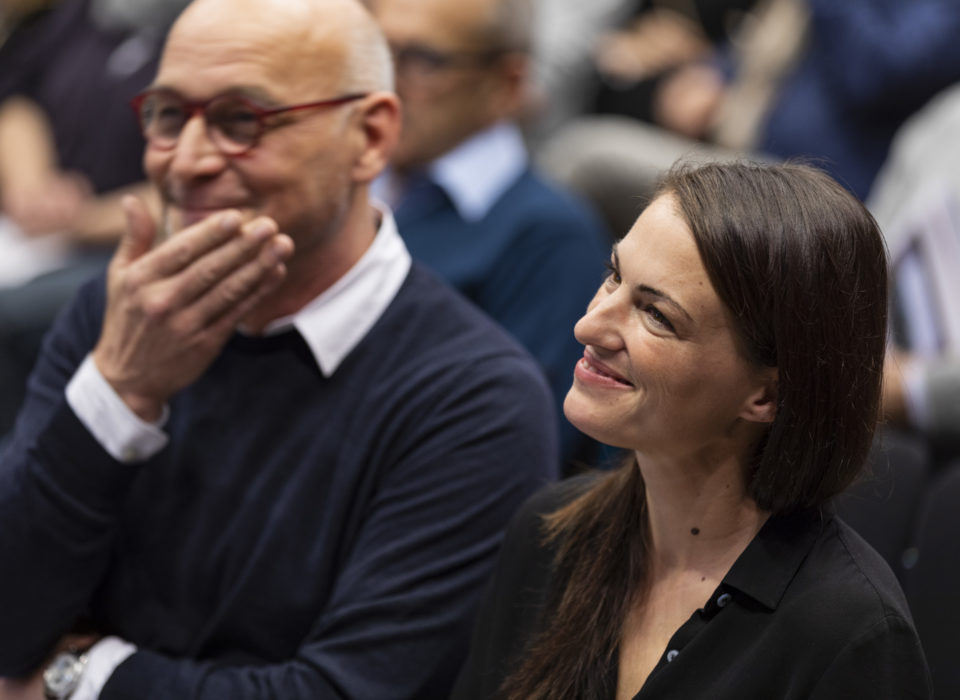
[[661, 37], [916, 199], [70, 149], [563, 80], [817, 79], [661, 70], [468, 203]]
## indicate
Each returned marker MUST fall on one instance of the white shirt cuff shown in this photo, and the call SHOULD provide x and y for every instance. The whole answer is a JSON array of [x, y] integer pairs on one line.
[[102, 660], [119, 430], [915, 393]]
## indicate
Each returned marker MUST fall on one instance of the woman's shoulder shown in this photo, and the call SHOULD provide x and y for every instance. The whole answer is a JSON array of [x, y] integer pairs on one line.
[[843, 566], [525, 537], [849, 586], [874, 578], [861, 618], [835, 611]]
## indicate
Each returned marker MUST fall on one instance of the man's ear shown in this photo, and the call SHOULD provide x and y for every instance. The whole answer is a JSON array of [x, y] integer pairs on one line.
[[379, 122], [512, 98], [761, 404]]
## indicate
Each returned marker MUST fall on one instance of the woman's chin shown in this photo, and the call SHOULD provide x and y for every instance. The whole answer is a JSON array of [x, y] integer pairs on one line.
[[590, 419]]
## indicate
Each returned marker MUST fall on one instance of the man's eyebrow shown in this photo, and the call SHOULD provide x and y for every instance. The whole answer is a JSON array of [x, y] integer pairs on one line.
[[253, 92], [652, 291]]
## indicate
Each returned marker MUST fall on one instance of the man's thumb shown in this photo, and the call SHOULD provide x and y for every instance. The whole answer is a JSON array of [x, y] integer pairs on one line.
[[138, 238]]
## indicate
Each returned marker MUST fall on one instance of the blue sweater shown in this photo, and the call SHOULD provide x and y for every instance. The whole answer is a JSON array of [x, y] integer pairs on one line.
[[300, 536], [532, 263], [869, 65]]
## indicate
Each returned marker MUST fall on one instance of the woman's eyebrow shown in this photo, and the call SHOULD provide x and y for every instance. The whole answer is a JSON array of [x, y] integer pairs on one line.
[[651, 291]]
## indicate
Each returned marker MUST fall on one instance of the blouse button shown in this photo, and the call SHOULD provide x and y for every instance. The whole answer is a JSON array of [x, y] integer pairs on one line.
[[671, 655], [723, 599]]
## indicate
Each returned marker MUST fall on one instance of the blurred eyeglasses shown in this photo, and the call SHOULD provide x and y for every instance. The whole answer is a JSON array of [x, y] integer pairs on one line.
[[422, 62], [234, 123]]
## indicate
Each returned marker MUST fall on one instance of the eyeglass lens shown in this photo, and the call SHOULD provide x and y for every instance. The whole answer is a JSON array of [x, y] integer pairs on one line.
[[231, 122]]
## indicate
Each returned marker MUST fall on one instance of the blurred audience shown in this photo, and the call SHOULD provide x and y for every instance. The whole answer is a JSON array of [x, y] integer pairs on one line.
[[810, 78], [565, 37], [916, 200], [617, 158], [662, 38], [69, 150], [868, 65], [467, 202]]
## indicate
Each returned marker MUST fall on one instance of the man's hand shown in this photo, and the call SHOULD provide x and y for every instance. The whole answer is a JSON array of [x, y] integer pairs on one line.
[[171, 309]]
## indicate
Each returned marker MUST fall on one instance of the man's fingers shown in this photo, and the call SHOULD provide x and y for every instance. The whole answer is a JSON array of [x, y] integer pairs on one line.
[[189, 245], [229, 292], [247, 281], [205, 273], [228, 322], [138, 238]]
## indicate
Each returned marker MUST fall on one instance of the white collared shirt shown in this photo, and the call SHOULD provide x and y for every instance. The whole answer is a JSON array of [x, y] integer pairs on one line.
[[474, 175], [337, 320]]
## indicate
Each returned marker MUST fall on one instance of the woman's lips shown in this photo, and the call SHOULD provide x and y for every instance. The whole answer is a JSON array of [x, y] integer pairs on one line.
[[591, 369]]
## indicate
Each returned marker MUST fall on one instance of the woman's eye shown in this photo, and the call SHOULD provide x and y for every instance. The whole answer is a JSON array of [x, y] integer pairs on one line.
[[658, 318], [613, 274]]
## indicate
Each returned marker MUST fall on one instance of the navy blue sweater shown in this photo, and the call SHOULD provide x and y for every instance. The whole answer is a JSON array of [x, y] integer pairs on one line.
[[300, 536]]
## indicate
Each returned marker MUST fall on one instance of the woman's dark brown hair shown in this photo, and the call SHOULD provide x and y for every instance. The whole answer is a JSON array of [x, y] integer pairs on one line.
[[802, 266]]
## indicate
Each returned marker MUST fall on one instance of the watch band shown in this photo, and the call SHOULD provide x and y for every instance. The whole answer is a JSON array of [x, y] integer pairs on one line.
[[62, 676]]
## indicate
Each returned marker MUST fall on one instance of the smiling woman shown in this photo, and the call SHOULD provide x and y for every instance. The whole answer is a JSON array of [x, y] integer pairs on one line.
[[662, 372], [735, 349]]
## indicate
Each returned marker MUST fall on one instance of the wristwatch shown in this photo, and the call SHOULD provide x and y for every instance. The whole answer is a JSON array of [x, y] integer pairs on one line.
[[62, 676]]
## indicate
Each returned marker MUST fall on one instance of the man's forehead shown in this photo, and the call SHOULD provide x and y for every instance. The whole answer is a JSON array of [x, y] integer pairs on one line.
[[253, 50], [236, 22], [283, 16], [229, 10]]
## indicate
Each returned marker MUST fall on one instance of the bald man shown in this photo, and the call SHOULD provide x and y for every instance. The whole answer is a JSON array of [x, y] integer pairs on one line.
[[266, 456]]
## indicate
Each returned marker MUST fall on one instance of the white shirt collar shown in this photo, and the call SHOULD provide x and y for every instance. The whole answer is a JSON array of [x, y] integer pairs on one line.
[[335, 322], [474, 174], [478, 171]]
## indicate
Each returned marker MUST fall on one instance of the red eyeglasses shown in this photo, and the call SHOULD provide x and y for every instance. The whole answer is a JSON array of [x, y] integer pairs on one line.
[[233, 122]]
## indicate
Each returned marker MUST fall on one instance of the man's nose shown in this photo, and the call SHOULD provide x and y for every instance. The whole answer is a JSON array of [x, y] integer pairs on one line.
[[196, 155]]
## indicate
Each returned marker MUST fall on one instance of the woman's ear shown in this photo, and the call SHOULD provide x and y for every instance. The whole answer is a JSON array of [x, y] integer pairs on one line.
[[761, 404], [379, 116]]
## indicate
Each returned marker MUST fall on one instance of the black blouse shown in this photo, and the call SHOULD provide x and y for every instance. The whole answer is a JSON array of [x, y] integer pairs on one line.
[[809, 611]]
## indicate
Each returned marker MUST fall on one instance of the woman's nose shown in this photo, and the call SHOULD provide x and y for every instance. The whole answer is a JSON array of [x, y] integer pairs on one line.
[[602, 325]]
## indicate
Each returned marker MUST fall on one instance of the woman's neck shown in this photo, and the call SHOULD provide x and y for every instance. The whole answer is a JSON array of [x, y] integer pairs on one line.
[[700, 514]]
